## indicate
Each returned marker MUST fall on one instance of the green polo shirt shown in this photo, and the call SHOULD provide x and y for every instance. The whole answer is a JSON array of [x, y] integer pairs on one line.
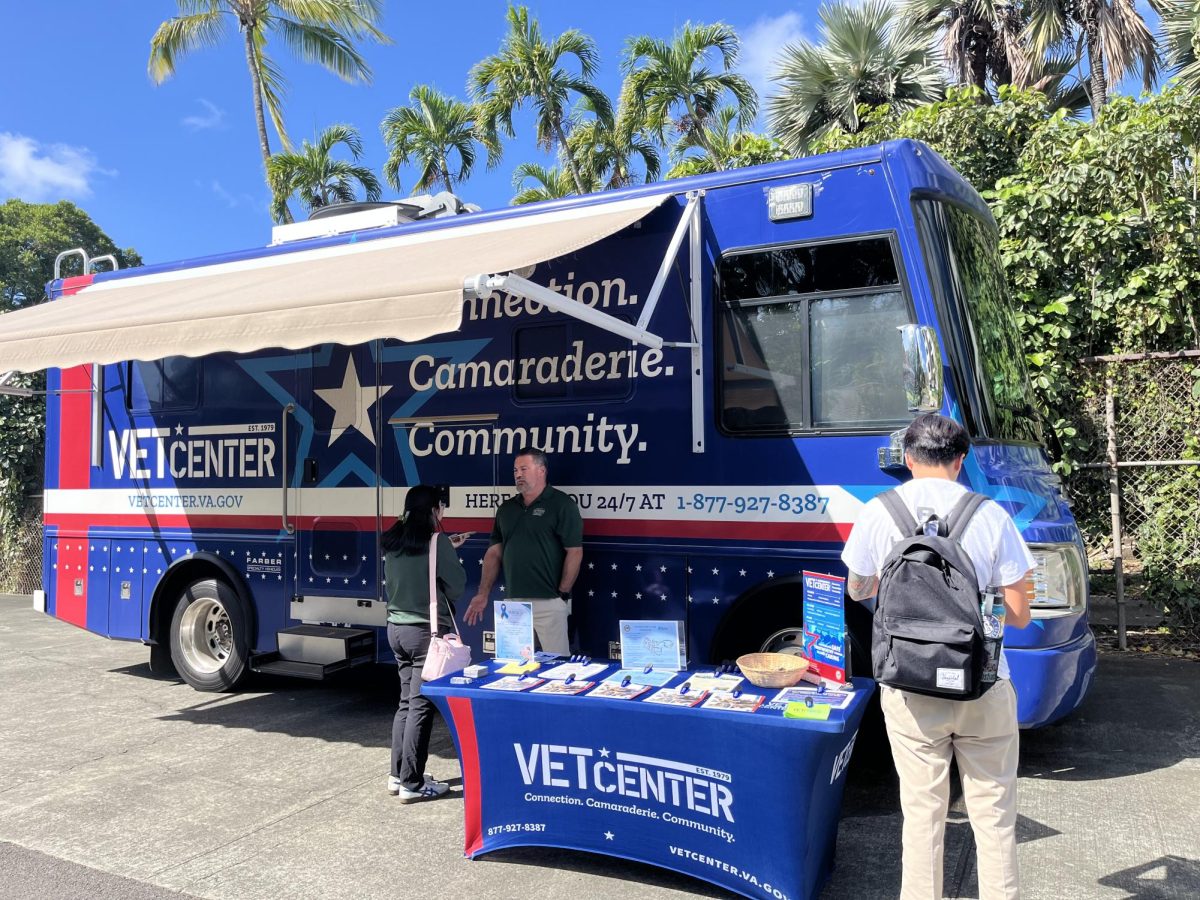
[[535, 539]]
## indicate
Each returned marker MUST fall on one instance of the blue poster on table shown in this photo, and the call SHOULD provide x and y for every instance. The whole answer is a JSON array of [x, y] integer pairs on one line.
[[825, 625], [514, 630], [653, 642]]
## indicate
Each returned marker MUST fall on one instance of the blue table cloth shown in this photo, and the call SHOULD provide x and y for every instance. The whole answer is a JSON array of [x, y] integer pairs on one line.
[[748, 801]]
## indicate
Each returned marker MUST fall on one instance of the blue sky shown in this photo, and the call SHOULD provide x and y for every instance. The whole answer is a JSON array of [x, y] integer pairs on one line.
[[174, 170]]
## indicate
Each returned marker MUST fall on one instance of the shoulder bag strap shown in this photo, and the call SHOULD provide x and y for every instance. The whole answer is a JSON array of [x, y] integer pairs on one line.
[[963, 512], [433, 594], [899, 512]]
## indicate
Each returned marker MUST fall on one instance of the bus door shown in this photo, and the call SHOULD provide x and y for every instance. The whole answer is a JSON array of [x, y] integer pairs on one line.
[[442, 429], [336, 486]]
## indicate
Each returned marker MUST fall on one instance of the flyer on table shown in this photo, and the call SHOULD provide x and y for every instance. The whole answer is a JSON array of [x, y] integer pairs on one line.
[[514, 630]]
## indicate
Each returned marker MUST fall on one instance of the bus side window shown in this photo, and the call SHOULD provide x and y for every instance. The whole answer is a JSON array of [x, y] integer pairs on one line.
[[162, 385], [809, 339]]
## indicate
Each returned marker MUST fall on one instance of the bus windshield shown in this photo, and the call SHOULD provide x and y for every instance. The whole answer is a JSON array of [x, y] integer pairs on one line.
[[981, 327]]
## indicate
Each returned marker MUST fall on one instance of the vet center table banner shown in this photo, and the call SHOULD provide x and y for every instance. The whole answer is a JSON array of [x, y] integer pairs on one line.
[[746, 800]]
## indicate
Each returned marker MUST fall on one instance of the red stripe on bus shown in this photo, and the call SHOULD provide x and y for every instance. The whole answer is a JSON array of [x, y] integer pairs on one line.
[[468, 749], [648, 528]]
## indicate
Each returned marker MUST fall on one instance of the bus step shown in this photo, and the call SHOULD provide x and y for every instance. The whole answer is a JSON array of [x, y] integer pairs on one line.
[[315, 651], [271, 664]]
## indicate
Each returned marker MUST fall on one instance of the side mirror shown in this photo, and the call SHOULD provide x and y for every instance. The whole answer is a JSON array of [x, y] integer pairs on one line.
[[922, 368]]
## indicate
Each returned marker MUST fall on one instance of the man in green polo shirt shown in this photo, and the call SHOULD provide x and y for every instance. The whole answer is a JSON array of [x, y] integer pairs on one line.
[[538, 536]]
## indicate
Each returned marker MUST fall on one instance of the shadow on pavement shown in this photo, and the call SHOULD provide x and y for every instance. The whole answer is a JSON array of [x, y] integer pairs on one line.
[[1165, 877], [1129, 724]]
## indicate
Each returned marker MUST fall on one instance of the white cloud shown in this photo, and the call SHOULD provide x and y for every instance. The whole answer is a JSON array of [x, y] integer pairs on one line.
[[214, 118], [228, 197], [762, 43], [38, 172]]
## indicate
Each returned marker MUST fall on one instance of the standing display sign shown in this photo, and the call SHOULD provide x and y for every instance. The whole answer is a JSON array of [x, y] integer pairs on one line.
[[825, 625], [514, 630], [746, 800], [659, 644]]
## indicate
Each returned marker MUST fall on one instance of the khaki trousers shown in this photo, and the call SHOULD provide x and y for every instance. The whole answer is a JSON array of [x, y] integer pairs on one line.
[[550, 624], [982, 735]]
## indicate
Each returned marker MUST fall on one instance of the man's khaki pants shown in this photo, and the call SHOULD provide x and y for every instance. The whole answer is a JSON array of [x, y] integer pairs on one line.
[[550, 624], [982, 735]]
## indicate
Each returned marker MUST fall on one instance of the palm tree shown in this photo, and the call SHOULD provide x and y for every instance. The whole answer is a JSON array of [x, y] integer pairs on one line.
[[869, 54], [1114, 33], [723, 148], [320, 31], [527, 69], [669, 86], [1181, 38], [606, 152], [549, 184], [427, 131], [316, 176], [981, 40]]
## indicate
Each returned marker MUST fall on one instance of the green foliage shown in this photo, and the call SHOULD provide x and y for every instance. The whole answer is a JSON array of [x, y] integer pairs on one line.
[[31, 236], [724, 148], [316, 176], [427, 132]]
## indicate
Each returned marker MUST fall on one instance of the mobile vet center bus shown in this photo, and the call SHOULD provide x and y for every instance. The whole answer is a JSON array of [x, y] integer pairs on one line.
[[717, 367]]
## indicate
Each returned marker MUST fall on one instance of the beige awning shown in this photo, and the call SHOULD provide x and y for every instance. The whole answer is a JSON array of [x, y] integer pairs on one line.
[[408, 287]]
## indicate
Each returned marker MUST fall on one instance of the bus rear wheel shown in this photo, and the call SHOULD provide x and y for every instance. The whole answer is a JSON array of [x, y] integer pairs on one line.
[[210, 636]]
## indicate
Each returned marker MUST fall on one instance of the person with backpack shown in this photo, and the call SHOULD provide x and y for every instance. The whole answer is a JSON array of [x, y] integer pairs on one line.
[[947, 569]]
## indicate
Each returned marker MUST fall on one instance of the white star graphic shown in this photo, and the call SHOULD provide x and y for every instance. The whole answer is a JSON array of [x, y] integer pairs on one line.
[[351, 404], [689, 570], [662, 568], [614, 567], [638, 595], [178, 430], [604, 753], [614, 593], [608, 835], [591, 593], [770, 574], [716, 571], [716, 600], [591, 565], [638, 567], [742, 572]]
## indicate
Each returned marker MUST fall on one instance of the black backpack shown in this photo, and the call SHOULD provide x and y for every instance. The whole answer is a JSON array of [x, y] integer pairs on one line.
[[927, 636]]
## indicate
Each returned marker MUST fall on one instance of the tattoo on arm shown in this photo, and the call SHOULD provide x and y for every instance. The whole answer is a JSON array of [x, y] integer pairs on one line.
[[860, 587]]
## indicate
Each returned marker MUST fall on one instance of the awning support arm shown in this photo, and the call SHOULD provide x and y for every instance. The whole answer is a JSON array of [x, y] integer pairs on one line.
[[689, 225]]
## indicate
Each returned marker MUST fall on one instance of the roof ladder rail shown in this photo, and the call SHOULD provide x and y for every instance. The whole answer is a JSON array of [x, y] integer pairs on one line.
[[89, 267]]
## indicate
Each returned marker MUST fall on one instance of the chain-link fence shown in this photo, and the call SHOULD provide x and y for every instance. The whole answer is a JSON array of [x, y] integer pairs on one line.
[[21, 554], [1136, 494]]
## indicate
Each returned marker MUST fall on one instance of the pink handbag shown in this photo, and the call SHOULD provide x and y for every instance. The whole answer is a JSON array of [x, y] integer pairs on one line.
[[448, 654]]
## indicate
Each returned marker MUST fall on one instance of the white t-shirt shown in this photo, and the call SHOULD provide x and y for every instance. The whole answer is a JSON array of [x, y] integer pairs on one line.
[[991, 540]]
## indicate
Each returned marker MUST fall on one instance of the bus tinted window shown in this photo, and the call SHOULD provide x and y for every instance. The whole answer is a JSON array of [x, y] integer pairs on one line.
[[164, 384], [809, 340]]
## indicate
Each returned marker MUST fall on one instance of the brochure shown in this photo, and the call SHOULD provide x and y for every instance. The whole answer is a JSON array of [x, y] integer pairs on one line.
[[672, 697], [831, 699], [740, 703], [825, 625], [512, 683], [818, 712], [711, 681], [654, 678], [579, 670], [514, 629], [518, 668], [653, 642], [615, 691], [563, 687]]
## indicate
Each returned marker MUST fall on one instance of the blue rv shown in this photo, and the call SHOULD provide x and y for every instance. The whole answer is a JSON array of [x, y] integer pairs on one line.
[[717, 367]]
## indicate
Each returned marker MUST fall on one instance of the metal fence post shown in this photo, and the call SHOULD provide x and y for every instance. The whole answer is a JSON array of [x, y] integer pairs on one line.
[[1114, 503]]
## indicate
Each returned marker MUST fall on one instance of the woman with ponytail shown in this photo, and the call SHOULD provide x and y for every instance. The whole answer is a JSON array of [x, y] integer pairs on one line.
[[406, 572]]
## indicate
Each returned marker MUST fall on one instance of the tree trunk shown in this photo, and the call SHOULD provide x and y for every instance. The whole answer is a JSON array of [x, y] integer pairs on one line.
[[1095, 60], [445, 171], [259, 118], [570, 158]]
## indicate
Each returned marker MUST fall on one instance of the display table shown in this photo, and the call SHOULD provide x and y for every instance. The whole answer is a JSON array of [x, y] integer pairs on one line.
[[747, 801]]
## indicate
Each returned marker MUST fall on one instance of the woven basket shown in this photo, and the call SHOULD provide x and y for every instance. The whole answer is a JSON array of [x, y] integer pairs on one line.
[[772, 670]]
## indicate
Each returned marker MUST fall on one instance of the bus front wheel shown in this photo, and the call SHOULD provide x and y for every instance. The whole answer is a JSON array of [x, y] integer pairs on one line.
[[210, 636]]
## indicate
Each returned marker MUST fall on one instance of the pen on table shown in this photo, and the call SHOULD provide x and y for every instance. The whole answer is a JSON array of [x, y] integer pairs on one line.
[[625, 681]]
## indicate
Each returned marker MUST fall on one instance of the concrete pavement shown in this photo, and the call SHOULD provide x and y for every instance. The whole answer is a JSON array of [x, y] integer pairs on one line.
[[116, 783]]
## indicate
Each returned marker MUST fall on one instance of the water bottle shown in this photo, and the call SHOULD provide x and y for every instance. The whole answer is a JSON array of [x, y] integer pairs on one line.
[[992, 611]]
